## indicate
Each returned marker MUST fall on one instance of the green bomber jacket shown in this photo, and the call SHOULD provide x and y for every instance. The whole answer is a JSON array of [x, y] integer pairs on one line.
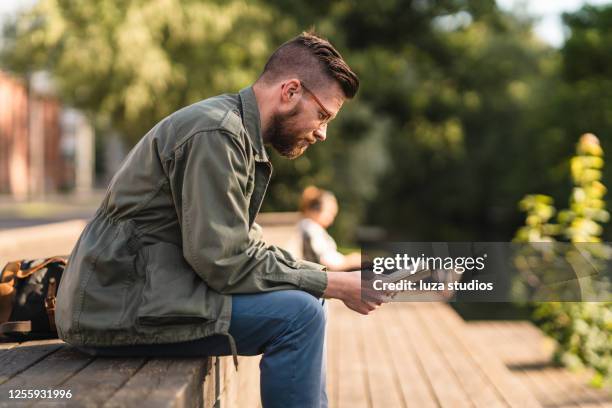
[[175, 236]]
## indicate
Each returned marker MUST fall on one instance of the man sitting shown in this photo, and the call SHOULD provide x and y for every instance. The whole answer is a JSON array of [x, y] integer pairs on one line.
[[173, 264]]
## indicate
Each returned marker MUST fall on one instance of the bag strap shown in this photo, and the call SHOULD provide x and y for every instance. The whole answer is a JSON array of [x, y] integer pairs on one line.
[[24, 273], [23, 326], [50, 302]]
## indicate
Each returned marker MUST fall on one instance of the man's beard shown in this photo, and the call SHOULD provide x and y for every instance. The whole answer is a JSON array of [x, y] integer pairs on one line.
[[282, 135]]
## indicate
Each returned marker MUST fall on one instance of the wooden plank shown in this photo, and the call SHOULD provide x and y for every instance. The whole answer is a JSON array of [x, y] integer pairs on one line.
[[352, 390], [210, 385], [572, 386], [164, 382], [63, 363], [47, 374], [560, 391], [474, 382], [382, 382], [566, 391], [236, 388], [512, 356], [588, 395], [334, 336], [226, 379], [98, 381], [229, 387], [446, 385], [415, 387], [549, 392], [227, 372], [247, 380], [529, 364], [363, 359], [513, 391], [17, 359]]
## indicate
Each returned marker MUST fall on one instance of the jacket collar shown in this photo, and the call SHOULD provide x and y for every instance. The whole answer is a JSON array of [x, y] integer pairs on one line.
[[252, 122]]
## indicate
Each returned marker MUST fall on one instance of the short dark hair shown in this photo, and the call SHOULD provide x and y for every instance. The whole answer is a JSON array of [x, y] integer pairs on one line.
[[312, 59]]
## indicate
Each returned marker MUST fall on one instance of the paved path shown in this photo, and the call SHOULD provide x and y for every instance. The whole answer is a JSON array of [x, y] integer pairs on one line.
[[56, 208]]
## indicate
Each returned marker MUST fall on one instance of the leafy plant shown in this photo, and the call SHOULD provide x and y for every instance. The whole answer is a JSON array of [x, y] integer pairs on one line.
[[583, 331]]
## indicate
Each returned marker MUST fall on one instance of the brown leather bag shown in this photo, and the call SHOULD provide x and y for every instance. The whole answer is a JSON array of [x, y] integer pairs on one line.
[[27, 297]]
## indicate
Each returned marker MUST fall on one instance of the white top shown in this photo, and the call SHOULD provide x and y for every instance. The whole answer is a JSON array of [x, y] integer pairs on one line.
[[319, 246]]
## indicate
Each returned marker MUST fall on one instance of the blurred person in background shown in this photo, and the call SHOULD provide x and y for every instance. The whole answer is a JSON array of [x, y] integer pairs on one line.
[[319, 209]]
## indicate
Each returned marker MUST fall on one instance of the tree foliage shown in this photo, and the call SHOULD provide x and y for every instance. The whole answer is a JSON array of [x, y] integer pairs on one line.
[[444, 82], [134, 62], [461, 111]]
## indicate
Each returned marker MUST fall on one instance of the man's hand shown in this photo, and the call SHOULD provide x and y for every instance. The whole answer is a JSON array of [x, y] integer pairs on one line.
[[347, 287], [362, 307]]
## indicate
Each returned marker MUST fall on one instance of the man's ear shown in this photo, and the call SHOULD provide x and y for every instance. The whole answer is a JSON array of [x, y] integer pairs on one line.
[[289, 90]]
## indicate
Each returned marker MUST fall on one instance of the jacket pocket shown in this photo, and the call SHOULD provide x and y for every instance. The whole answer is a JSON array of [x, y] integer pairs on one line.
[[94, 293], [173, 293]]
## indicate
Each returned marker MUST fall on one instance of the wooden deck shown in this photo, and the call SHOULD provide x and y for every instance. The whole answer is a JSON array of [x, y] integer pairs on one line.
[[527, 354], [403, 355], [123, 382], [415, 355]]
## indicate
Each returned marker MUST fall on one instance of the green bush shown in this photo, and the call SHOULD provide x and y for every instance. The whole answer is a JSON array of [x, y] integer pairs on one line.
[[583, 331]]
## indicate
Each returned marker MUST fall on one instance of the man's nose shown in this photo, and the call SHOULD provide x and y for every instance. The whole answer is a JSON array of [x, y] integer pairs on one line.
[[321, 132]]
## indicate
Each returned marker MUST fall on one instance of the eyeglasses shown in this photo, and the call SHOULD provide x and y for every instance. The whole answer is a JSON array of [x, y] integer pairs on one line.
[[328, 114]]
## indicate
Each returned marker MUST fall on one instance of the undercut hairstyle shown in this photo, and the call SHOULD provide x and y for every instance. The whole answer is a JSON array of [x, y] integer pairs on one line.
[[311, 59]]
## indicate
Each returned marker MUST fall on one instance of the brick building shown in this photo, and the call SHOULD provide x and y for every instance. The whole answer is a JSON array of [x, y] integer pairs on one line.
[[44, 147]]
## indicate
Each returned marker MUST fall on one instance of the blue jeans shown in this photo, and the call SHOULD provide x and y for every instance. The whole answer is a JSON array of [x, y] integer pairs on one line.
[[288, 327]]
